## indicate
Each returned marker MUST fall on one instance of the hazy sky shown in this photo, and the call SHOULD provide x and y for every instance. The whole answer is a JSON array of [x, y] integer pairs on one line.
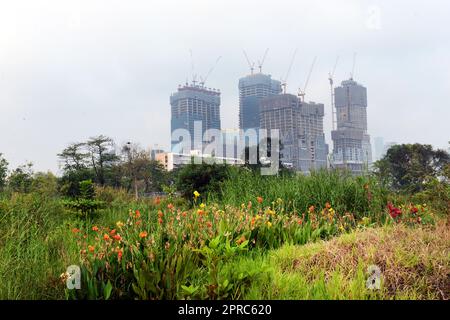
[[74, 69]]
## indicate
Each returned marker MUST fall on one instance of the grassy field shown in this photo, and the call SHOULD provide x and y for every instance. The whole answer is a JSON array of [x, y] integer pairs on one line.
[[258, 238]]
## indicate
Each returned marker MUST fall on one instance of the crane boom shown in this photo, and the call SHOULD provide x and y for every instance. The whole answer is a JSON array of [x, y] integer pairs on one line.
[[260, 63], [251, 65], [288, 71], [210, 71]]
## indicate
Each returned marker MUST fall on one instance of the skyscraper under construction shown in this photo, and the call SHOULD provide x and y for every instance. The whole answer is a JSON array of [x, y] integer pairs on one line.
[[193, 104], [252, 89], [351, 143], [300, 126]]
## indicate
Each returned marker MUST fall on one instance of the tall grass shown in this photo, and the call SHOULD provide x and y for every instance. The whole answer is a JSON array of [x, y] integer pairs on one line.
[[35, 247], [362, 196]]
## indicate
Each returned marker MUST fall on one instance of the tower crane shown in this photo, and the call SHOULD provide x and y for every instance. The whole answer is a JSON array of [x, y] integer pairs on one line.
[[260, 63], [203, 80], [283, 81], [251, 65], [330, 79], [302, 93]]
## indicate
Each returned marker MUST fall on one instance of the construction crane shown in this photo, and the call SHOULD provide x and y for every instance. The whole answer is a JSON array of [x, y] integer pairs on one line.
[[203, 80], [302, 93], [260, 63], [194, 76], [353, 66], [283, 81], [333, 110], [251, 65]]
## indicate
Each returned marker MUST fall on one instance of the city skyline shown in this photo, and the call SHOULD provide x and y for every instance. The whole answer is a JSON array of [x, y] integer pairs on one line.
[[63, 67]]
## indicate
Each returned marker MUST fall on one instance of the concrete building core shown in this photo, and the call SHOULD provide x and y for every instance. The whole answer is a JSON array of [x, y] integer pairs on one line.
[[300, 126], [351, 143]]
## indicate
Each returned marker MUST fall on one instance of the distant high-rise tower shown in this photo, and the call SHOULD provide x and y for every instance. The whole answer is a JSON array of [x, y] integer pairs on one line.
[[351, 143], [379, 147], [252, 89], [300, 126], [193, 103]]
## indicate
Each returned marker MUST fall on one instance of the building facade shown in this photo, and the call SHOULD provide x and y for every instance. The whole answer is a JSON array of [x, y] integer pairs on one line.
[[192, 105], [300, 126], [351, 143], [252, 89]]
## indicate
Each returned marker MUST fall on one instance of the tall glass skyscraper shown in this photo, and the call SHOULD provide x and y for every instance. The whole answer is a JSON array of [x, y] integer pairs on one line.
[[193, 104], [252, 89]]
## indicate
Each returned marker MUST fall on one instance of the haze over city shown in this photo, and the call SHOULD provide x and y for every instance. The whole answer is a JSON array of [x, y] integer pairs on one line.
[[70, 70]]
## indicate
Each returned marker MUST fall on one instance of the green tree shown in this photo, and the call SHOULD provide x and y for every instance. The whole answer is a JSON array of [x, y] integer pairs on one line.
[[408, 167], [21, 179], [3, 171], [102, 157]]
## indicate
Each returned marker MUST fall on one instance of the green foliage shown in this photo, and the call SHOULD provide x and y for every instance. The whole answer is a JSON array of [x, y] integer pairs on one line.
[[21, 179], [3, 172], [361, 196], [204, 178], [408, 167], [85, 204]]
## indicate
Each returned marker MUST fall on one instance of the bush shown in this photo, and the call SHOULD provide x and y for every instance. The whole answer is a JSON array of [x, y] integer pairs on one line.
[[204, 178]]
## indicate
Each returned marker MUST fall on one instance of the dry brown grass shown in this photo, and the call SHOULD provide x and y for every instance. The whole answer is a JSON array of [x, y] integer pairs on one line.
[[415, 262]]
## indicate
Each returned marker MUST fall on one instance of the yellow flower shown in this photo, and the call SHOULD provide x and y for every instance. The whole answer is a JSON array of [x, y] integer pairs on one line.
[[119, 224], [196, 194], [279, 201], [269, 224], [258, 217], [202, 205]]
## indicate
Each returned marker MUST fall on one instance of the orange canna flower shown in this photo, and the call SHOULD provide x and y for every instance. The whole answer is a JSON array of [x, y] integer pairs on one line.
[[184, 214], [209, 224], [142, 234], [112, 232], [259, 199], [160, 220], [75, 230], [91, 249], [119, 255], [327, 205], [95, 228], [138, 222], [170, 206], [311, 209], [160, 214], [137, 214], [105, 237], [157, 200], [200, 211], [117, 237]]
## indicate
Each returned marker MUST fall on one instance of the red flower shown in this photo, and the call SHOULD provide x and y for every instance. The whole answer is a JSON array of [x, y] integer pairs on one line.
[[75, 230], [414, 210], [170, 206], [157, 201], [259, 199], [94, 228], [117, 237], [137, 214], [112, 232], [394, 212]]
